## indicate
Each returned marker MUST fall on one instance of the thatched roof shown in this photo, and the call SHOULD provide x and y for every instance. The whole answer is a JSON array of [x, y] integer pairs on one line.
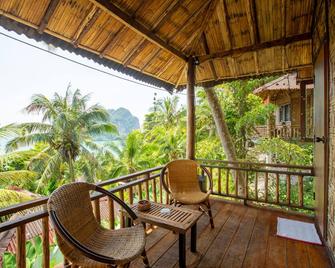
[[283, 83], [152, 40]]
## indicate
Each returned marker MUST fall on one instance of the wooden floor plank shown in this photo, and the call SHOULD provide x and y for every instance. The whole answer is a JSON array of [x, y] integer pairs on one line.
[[220, 244], [256, 252], [172, 254], [238, 247], [296, 254], [243, 236], [207, 237]]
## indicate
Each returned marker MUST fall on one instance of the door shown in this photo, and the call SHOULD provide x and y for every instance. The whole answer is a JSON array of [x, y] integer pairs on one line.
[[320, 137]]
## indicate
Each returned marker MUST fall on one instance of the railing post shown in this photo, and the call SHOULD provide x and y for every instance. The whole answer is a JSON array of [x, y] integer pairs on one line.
[[21, 246], [96, 209], [45, 241], [111, 216]]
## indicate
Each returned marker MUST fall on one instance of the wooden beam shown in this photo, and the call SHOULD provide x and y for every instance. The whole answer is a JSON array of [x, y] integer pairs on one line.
[[226, 16], [181, 75], [167, 14], [166, 66], [211, 64], [86, 24], [47, 15], [114, 38], [187, 22], [251, 48], [151, 59], [254, 21], [303, 110], [197, 34], [190, 150], [133, 54], [133, 24]]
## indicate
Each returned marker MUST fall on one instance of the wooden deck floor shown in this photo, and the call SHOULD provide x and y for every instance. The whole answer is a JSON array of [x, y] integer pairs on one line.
[[242, 237]]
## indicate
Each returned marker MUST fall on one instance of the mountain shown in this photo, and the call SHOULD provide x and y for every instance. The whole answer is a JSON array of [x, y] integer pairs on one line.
[[124, 120]]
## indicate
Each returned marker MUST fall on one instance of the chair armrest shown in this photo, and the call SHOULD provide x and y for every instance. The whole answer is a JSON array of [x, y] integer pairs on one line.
[[130, 212], [163, 182], [75, 243], [209, 178]]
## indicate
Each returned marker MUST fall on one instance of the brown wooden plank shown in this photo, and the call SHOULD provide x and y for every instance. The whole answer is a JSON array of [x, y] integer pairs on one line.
[[251, 48], [276, 248], [111, 216], [318, 256], [221, 243], [296, 254], [238, 247], [256, 252]]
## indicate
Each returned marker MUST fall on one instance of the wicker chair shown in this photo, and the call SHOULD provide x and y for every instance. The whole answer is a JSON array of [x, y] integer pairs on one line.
[[82, 240], [181, 182]]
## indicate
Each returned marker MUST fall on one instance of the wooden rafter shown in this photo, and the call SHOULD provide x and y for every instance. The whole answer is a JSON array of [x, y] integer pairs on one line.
[[86, 25], [226, 16], [132, 55], [167, 14], [273, 43], [166, 66], [254, 21], [211, 64], [133, 24], [151, 59], [142, 42], [197, 34], [188, 21], [47, 15], [114, 39], [181, 75]]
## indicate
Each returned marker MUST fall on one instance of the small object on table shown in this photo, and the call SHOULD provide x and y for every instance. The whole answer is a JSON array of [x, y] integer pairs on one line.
[[143, 205], [165, 211]]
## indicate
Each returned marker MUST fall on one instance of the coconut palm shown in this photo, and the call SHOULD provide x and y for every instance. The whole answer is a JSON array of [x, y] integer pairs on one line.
[[67, 129]]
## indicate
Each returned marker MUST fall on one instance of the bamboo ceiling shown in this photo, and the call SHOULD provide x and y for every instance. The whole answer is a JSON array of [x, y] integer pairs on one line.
[[152, 40]]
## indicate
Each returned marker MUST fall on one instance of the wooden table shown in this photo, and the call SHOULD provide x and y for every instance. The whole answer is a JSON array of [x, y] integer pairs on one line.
[[180, 220]]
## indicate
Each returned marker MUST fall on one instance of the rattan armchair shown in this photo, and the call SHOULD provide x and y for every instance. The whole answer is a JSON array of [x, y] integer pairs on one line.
[[82, 240], [180, 179]]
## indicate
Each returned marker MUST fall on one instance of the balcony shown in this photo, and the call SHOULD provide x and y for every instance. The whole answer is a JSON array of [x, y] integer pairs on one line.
[[245, 221], [287, 132]]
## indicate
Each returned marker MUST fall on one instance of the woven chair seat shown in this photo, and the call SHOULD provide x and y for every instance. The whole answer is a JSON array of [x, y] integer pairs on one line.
[[123, 245], [190, 198]]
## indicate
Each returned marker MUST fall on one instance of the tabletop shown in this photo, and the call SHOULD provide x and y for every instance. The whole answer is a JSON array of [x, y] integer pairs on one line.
[[180, 219]]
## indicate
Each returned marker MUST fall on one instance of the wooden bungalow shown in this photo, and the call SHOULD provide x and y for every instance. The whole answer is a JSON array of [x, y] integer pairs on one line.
[[293, 116], [178, 44]]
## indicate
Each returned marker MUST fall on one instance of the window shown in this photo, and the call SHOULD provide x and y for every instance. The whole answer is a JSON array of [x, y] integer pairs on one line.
[[285, 113]]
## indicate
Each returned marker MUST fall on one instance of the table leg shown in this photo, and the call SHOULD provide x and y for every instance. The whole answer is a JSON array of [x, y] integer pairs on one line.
[[182, 250], [194, 238]]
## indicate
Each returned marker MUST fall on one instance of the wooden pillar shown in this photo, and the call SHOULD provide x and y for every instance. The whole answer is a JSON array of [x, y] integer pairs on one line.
[[190, 149], [303, 110]]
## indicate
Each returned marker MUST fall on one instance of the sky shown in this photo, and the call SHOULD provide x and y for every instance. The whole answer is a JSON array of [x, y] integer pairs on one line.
[[25, 71]]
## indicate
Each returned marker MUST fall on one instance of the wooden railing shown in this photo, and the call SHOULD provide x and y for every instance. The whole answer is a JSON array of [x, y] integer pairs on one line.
[[130, 188], [278, 185], [284, 132], [272, 184]]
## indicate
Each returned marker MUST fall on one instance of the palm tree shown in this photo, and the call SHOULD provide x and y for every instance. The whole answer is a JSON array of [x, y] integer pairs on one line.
[[68, 127]]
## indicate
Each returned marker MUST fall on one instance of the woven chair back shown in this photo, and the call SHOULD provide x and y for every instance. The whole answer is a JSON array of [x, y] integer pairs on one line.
[[73, 208], [182, 176]]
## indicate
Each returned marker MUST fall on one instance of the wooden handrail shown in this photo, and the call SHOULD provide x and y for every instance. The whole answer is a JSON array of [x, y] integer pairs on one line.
[[143, 184]]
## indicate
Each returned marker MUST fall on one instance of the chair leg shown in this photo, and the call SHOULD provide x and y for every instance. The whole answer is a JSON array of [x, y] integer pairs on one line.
[[210, 213], [145, 259]]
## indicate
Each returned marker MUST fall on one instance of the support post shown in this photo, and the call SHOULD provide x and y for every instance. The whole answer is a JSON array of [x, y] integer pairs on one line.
[[190, 150], [303, 110]]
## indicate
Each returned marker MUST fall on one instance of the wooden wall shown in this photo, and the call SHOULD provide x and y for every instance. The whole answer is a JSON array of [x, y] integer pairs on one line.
[[331, 189]]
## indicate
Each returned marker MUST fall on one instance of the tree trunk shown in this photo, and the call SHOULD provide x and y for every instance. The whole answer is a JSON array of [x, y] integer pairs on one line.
[[224, 134]]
